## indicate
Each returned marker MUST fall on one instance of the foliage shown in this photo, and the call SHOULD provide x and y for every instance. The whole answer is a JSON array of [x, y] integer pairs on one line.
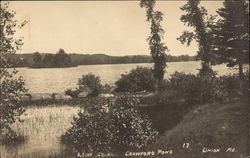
[[157, 48], [25, 60], [132, 130], [110, 128], [47, 60], [90, 132], [182, 92], [195, 17], [171, 58], [231, 34], [199, 89], [37, 60], [107, 88], [194, 89], [60, 59], [229, 85], [11, 87], [138, 79], [92, 82]]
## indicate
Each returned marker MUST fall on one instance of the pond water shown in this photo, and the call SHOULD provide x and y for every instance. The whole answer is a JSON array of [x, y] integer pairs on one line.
[[57, 80]]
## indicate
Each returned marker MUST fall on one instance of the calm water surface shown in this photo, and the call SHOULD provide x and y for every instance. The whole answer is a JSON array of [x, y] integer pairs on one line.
[[57, 80]]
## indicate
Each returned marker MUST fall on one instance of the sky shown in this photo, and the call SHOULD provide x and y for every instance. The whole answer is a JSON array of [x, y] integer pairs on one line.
[[91, 27]]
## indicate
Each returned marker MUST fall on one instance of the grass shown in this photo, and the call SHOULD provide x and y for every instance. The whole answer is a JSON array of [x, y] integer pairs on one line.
[[212, 126], [42, 128]]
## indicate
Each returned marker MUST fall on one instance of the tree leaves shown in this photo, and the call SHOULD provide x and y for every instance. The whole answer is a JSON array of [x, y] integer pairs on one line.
[[157, 48], [11, 88]]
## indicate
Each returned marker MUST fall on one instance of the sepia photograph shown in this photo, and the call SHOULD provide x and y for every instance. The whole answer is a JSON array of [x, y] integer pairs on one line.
[[124, 79]]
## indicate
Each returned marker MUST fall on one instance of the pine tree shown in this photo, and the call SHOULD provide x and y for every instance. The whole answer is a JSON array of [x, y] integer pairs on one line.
[[232, 34]]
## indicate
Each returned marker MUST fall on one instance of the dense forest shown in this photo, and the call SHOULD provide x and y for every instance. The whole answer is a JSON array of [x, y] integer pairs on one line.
[[62, 59]]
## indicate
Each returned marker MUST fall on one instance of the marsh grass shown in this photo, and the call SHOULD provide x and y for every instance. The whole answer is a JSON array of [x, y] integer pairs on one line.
[[42, 127]]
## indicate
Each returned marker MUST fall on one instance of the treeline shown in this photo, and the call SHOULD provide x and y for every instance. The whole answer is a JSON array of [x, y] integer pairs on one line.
[[62, 59], [42, 60], [171, 58]]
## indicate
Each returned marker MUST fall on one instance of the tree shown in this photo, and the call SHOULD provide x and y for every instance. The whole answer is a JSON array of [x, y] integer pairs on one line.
[[37, 60], [157, 48], [195, 17], [92, 82], [138, 79], [61, 59], [232, 34], [11, 87], [47, 60]]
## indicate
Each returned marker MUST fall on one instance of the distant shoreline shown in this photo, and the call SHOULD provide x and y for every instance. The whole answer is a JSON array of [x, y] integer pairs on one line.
[[73, 60], [97, 64]]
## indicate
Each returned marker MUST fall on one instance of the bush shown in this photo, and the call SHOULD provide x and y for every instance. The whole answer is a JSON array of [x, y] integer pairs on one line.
[[183, 92], [194, 89], [10, 108], [110, 128], [138, 79], [92, 82], [229, 86]]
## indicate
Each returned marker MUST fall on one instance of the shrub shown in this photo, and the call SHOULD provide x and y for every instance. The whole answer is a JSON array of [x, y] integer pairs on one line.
[[194, 89], [92, 82], [229, 85], [197, 89], [10, 106], [90, 132], [232, 87], [132, 130], [138, 79], [110, 128]]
